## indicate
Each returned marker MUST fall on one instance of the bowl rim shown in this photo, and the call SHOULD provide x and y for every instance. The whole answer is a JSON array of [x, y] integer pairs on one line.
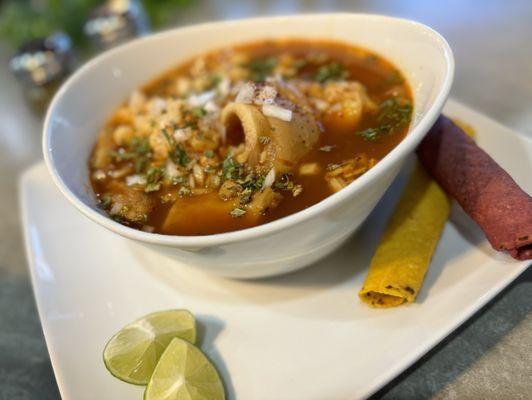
[[413, 137]]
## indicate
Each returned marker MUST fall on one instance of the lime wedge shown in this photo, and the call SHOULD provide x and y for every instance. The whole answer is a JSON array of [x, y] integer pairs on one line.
[[132, 354], [184, 373]]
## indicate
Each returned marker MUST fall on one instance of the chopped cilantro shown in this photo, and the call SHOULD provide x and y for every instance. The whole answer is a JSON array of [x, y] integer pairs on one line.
[[231, 168], [140, 145], [209, 153], [169, 139], [298, 64], [179, 155], [392, 114], [214, 81], [138, 151], [395, 78], [191, 124], [140, 164], [253, 182], [105, 201], [184, 191], [199, 112], [237, 212], [264, 140], [177, 152], [260, 68], [370, 134], [153, 179], [178, 179], [331, 72]]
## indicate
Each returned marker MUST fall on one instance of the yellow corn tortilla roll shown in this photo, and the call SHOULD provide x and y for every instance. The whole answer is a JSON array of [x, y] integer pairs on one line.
[[402, 258], [403, 255]]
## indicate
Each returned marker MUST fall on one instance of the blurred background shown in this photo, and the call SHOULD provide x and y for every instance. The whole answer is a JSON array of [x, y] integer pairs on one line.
[[43, 41]]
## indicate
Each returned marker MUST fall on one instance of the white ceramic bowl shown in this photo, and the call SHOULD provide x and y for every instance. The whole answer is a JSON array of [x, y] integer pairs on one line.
[[89, 96]]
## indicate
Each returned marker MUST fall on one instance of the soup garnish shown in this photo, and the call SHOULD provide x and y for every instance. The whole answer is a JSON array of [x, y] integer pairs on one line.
[[245, 135]]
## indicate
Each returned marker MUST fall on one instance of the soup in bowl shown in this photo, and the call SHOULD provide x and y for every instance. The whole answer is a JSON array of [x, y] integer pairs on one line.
[[247, 158], [246, 135]]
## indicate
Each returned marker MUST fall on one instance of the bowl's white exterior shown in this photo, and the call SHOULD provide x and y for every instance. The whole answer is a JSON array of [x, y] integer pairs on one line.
[[88, 97]]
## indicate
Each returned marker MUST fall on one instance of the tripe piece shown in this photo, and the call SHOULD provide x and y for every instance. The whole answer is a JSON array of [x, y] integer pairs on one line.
[[288, 140]]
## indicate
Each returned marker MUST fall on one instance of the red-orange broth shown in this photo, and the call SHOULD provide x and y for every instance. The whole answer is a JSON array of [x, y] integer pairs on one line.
[[166, 163]]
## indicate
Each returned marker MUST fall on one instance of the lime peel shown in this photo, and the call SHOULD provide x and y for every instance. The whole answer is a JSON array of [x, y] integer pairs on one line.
[[184, 373], [132, 354]]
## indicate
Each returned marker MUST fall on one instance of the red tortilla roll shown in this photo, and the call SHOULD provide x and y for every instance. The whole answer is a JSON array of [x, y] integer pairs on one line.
[[484, 190]]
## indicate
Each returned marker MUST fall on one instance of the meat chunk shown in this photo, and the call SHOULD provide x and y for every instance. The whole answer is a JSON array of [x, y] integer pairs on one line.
[[264, 200], [340, 175], [212, 211], [101, 155], [229, 190], [130, 203], [341, 104]]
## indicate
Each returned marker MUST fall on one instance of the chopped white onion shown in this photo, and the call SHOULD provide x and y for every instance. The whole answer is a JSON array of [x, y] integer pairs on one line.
[[191, 181], [182, 134], [99, 175], [211, 107], [269, 179], [135, 180], [198, 173], [170, 170], [198, 100], [156, 106], [246, 93], [224, 86], [136, 100], [321, 105], [119, 173], [183, 85], [116, 208], [309, 169], [271, 110]]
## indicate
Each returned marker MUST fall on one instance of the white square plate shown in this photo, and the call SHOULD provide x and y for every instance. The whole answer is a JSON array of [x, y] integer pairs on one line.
[[299, 336]]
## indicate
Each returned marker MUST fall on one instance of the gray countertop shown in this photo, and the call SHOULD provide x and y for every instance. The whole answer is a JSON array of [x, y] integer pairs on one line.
[[490, 356]]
